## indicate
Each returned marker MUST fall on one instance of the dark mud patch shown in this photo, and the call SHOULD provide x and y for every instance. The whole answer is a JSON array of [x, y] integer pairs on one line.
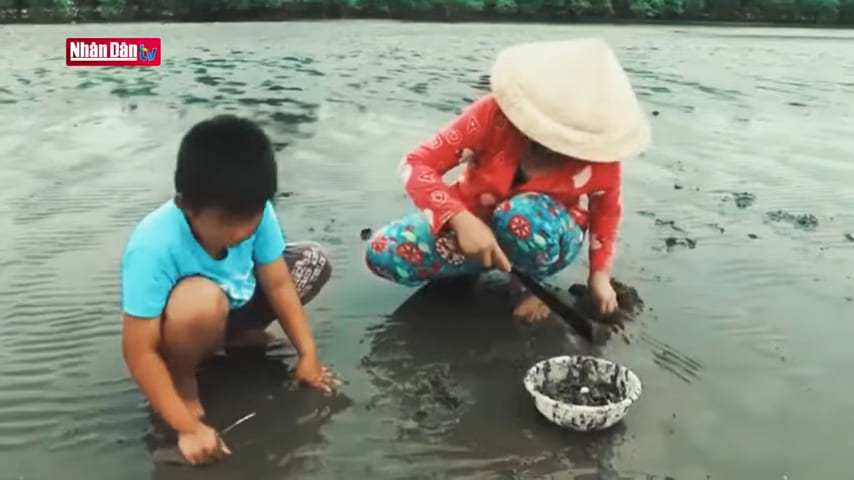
[[435, 389], [717, 227], [581, 386], [752, 236], [805, 221], [365, 234], [628, 298], [743, 199], [669, 223], [740, 199], [849, 237], [672, 242]]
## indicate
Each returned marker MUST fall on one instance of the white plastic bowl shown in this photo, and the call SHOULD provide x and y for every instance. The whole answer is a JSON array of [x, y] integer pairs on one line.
[[582, 418]]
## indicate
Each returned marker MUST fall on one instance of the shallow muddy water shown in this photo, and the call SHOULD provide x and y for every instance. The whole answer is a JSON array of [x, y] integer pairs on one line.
[[737, 234]]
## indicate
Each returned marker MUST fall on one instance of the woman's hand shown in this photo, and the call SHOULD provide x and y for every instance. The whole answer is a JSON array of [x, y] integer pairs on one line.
[[477, 241], [603, 294]]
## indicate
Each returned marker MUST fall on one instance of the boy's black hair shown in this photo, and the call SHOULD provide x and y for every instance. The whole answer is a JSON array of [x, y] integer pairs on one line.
[[226, 162]]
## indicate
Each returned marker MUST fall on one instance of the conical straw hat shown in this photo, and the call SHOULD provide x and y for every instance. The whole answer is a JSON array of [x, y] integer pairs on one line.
[[572, 97]]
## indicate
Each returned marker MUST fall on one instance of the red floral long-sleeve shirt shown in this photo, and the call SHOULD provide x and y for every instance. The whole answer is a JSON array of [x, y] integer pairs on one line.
[[498, 148]]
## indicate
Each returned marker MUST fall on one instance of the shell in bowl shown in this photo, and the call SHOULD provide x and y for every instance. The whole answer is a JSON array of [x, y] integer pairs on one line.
[[582, 393]]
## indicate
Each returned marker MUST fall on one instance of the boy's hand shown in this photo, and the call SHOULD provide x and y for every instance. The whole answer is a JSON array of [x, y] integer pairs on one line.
[[604, 296], [310, 372], [477, 241], [202, 445]]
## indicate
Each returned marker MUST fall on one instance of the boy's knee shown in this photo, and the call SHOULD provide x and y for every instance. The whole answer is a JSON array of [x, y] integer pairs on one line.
[[322, 265], [319, 257], [311, 268], [196, 303]]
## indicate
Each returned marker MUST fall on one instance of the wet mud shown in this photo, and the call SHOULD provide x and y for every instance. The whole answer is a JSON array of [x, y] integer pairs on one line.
[[581, 386], [669, 358], [447, 374], [672, 242], [743, 199], [447, 366], [669, 223], [717, 227], [631, 305], [802, 221], [256, 382]]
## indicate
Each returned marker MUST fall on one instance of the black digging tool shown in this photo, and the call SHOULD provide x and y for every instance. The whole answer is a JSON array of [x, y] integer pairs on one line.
[[578, 320]]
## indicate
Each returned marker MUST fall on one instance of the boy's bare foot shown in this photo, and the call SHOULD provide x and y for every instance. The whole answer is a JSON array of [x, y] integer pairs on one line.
[[531, 309], [252, 338], [188, 390]]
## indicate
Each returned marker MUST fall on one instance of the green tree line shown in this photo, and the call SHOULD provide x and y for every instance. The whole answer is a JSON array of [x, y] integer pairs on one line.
[[816, 12]]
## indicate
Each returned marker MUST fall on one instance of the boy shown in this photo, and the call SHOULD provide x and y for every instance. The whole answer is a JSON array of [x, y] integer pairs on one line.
[[210, 268]]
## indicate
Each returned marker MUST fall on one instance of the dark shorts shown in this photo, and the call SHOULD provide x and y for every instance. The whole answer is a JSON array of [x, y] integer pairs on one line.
[[310, 268]]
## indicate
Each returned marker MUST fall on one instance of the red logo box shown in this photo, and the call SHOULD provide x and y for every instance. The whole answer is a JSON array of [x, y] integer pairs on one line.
[[113, 52]]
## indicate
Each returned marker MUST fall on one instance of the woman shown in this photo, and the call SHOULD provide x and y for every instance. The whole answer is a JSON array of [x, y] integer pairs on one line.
[[547, 139]]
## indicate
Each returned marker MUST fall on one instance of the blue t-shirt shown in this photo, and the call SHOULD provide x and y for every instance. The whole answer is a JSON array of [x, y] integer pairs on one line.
[[162, 250]]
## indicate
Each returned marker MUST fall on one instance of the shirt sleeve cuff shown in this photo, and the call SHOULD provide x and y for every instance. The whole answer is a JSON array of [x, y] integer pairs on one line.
[[439, 217]]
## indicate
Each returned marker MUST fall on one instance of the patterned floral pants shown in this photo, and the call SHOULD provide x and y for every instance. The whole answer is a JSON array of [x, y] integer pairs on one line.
[[537, 233]]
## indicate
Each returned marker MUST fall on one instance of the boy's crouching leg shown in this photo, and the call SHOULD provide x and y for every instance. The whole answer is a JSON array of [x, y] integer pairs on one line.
[[193, 328]]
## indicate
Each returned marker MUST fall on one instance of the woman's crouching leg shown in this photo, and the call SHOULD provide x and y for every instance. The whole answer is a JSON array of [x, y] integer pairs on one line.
[[538, 234], [408, 253]]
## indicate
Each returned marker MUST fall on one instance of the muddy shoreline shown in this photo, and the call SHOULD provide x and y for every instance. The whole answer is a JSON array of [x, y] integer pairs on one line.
[[434, 380]]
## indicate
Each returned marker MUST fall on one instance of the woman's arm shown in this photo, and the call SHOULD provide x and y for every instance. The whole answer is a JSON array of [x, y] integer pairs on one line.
[[605, 214], [422, 169]]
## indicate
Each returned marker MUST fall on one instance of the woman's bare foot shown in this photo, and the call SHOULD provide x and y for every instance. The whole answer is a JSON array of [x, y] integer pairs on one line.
[[531, 309], [188, 390]]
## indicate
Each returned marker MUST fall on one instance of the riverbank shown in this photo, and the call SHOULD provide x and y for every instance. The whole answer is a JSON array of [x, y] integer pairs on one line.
[[439, 14]]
